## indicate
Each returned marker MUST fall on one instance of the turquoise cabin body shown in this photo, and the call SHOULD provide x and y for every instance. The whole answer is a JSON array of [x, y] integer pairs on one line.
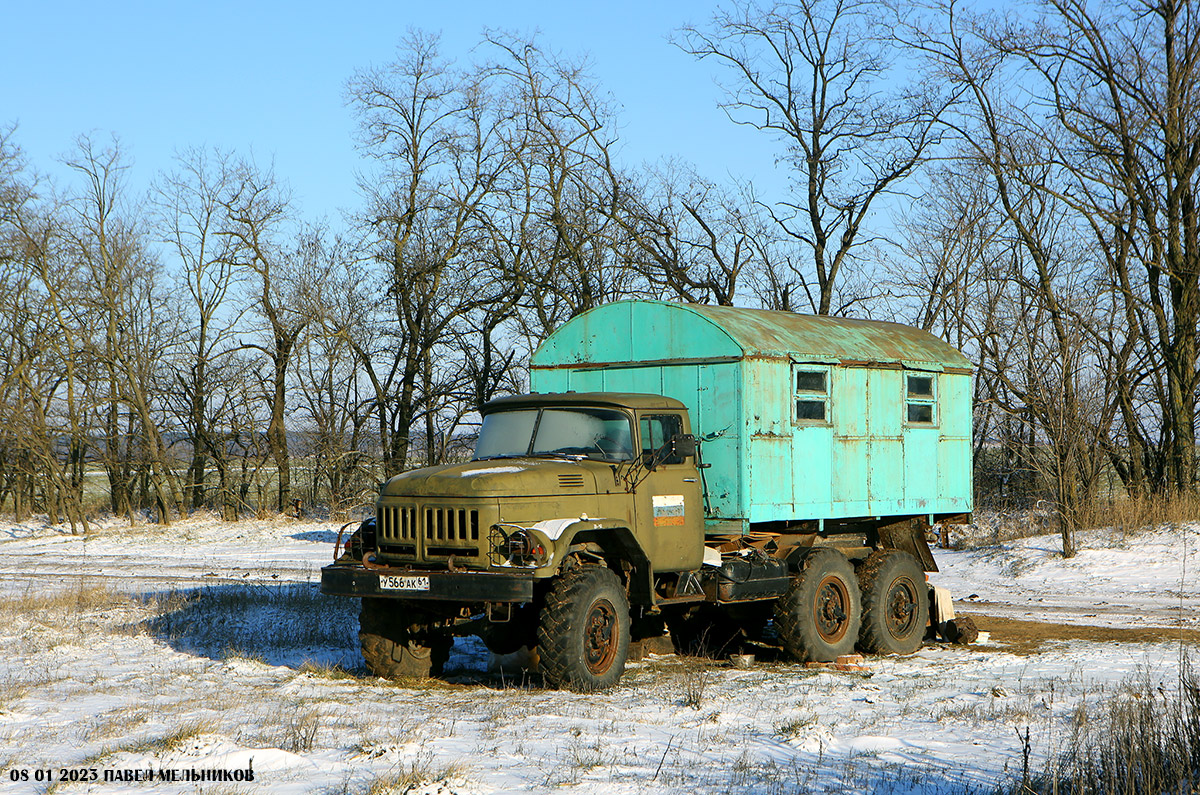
[[801, 417]]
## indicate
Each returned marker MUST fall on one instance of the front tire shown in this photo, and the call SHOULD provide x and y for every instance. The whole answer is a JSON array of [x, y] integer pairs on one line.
[[895, 601], [396, 643], [583, 631], [818, 618]]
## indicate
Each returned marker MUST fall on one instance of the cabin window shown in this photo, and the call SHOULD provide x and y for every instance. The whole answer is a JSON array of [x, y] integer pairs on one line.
[[811, 394], [657, 430], [922, 399]]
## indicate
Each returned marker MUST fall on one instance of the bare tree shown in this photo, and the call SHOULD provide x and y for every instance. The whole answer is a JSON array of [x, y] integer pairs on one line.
[[816, 75], [257, 218], [42, 385], [333, 406], [1124, 85], [432, 227], [694, 239], [126, 331], [190, 205], [556, 217], [1105, 136]]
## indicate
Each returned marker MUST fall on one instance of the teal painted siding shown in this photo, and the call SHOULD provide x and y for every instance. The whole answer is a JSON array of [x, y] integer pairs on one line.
[[767, 427], [736, 371], [636, 331], [850, 441], [813, 467], [885, 442], [550, 381], [718, 420]]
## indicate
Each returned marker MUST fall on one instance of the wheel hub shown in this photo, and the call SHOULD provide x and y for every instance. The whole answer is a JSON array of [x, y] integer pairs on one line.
[[901, 610], [600, 637], [831, 609]]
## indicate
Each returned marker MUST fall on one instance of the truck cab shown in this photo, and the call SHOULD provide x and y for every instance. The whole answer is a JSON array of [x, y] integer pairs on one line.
[[595, 482], [545, 468]]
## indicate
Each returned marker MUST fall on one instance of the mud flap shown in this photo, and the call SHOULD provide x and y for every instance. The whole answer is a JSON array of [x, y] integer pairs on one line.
[[909, 536]]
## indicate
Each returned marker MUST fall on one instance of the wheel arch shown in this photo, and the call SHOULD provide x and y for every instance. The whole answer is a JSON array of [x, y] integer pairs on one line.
[[618, 546]]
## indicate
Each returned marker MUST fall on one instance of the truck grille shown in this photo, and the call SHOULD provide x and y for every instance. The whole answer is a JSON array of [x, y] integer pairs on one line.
[[396, 523], [451, 524], [438, 531]]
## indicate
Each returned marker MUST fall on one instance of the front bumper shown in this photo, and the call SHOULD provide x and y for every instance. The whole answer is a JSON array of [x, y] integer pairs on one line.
[[444, 586]]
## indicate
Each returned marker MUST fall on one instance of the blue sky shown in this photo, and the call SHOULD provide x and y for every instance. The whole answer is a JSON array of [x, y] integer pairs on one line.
[[268, 78]]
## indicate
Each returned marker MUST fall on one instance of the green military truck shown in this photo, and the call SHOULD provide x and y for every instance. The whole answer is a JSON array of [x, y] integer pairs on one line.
[[704, 469]]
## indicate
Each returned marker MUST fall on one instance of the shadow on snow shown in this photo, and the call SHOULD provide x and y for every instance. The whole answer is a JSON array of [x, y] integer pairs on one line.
[[286, 624]]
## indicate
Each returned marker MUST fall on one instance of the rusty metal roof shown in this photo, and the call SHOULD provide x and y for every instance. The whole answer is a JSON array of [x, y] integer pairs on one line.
[[649, 331], [765, 332]]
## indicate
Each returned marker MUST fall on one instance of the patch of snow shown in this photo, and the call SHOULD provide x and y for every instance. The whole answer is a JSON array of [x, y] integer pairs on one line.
[[224, 655], [466, 473], [1148, 579], [553, 528]]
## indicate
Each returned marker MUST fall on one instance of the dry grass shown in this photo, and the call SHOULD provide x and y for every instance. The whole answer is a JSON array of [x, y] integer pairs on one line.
[[1130, 516], [326, 671], [993, 711], [1145, 738], [417, 773], [173, 740], [694, 684], [183, 735], [249, 621], [53, 606], [122, 720], [71, 615], [692, 680], [991, 527], [223, 621], [14, 687], [796, 725], [1125, 516], [299, 728]]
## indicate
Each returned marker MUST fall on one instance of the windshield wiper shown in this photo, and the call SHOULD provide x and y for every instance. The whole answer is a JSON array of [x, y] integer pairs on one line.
[[547, 454]]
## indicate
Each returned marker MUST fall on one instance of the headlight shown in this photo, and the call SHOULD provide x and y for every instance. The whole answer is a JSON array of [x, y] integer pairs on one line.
[[518, 546]]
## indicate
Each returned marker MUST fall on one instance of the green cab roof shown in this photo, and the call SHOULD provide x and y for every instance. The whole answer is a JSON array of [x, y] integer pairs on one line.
[[651, 331]]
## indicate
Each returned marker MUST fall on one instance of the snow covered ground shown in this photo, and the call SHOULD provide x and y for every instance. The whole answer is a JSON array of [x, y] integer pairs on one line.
[[204, 646], [1150, 579]]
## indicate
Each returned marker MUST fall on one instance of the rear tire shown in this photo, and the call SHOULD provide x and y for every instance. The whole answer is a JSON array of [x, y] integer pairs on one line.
[[818, 618], [895, 601], [583, 631], [396, 643]]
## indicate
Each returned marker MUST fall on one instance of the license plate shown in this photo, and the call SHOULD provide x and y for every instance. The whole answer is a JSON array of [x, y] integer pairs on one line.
[[396, 582]]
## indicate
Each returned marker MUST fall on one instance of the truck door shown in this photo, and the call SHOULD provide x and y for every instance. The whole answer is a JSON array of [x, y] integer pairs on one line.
[[670, 508]]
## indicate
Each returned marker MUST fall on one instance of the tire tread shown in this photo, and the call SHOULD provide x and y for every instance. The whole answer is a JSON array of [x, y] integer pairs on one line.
[[392, 649], [792, 620], [560, 660], [873, 636]]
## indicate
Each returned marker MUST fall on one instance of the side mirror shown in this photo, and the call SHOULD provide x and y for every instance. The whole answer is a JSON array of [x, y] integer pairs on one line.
[[684, 445]]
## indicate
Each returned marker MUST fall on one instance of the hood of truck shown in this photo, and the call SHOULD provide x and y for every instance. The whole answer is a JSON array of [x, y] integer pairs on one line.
[[526, 477]]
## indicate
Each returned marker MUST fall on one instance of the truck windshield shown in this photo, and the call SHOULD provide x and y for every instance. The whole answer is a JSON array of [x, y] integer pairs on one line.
[[595, 433]]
